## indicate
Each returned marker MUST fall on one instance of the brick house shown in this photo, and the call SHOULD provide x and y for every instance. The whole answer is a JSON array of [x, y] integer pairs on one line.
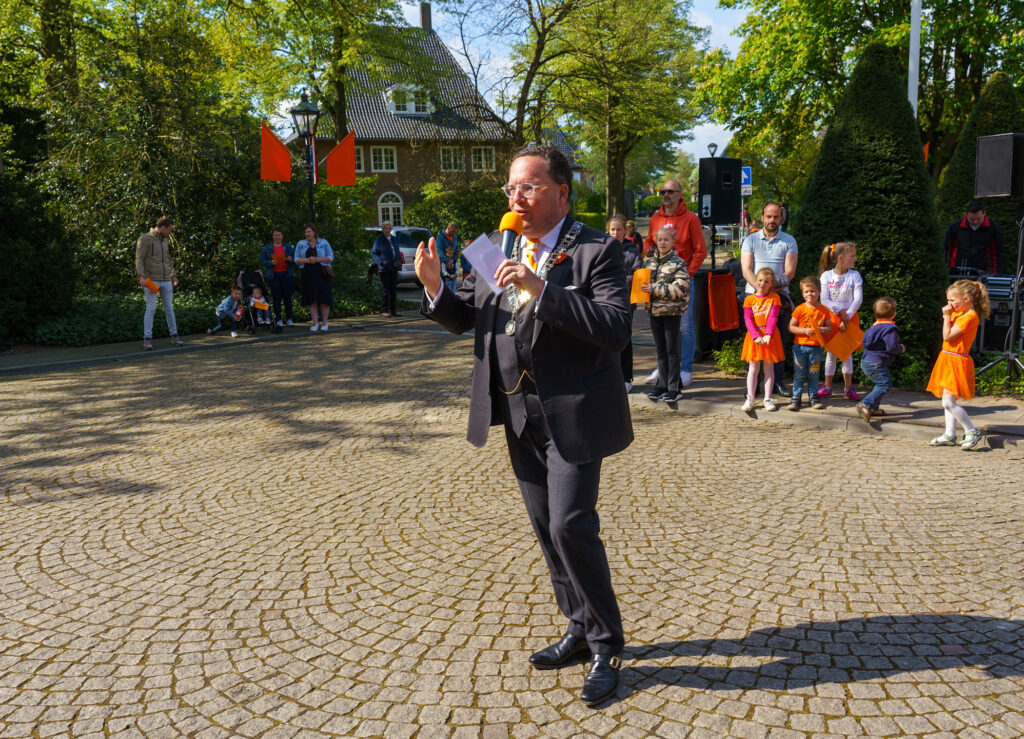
[[408, 137]]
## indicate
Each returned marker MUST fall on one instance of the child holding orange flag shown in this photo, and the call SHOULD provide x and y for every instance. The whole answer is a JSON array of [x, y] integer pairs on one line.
[[842, 292]]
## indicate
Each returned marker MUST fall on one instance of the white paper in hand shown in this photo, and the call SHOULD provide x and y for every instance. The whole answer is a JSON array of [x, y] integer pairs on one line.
[[485, 256]]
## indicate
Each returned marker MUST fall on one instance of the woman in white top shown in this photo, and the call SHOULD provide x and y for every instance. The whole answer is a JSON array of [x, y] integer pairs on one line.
[[842, 292]]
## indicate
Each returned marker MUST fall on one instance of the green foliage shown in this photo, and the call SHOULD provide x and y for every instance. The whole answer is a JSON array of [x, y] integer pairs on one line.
[[869, 185], [728, 357], [994, 382], [998, 110], [593, 202], [797, 56], [477, 208], [622, 73], [651, 203], [778, 173], [594, 220], [37, 277]]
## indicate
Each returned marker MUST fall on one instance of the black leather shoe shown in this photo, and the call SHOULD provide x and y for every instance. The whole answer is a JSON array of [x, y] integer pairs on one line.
[[566, 651], [602, 678]]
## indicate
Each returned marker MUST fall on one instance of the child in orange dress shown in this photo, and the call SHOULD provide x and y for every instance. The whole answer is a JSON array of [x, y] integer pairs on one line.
[[953, 374], [762, 344]]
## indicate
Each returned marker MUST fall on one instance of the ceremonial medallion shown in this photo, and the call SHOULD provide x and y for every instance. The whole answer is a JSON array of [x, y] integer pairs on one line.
[[510, 328]]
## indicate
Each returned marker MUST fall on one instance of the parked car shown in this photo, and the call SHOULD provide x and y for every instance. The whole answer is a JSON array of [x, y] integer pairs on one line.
[[409, 238]]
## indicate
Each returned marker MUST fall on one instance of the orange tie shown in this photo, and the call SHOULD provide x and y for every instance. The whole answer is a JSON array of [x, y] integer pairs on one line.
[[530, 255]]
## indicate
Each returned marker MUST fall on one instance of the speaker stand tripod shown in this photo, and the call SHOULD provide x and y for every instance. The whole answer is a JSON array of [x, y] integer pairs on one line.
[[1009, 355]]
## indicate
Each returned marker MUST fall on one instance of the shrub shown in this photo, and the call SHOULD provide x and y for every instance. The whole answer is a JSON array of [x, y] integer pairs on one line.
[[728, 357], [869, 185], [594, 220], [37, 278], [996, 111], [477, 208], [651, 203]]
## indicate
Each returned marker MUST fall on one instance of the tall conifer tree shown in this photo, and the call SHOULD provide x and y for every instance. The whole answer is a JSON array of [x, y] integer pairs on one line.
[[998, 110], [870, 185]]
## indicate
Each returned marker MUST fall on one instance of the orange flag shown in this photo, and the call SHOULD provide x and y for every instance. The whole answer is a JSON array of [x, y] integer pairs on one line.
[[341, 162], [275, 161], [925, 149]]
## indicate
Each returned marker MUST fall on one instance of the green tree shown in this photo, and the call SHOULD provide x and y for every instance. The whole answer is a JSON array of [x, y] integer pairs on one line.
[[623, 75], [476, 207], [777, 173], [870, 185], [797, 55], [998, 110]]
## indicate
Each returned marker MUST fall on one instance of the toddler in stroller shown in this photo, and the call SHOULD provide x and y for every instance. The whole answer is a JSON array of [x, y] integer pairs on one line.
[[254, 288]]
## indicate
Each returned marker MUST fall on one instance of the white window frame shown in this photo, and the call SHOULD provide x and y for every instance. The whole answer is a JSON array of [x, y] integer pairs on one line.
[[390, 208], [383, 150], [359, 159], [458, 158], [480, 152], [408, 100]]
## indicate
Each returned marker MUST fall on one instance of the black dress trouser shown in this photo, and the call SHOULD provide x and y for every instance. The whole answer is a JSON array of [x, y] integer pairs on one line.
[[388, 291], [561, 500]]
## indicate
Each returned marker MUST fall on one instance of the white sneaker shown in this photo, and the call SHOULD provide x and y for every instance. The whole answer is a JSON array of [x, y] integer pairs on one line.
[[234, 334], [290, 322], [315, 327], [769, 404], [323, 326], [685, 378], [280, 322], [652, 379], [629, 386], [748, 405]]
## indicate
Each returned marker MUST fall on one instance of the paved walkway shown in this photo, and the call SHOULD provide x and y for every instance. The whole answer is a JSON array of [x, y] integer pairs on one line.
[[292, 538]]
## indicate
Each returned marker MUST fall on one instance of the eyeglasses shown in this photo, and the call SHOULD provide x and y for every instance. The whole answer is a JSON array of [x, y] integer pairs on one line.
[[667, 192], [528, 189]]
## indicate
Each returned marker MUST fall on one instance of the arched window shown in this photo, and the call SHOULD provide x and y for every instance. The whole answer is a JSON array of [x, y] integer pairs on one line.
[[389, 208]]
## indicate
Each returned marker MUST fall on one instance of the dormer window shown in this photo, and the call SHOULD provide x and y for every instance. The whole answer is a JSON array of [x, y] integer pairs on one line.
[[407, 100]]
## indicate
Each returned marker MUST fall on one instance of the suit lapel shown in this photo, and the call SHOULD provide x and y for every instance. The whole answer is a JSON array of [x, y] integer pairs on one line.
[[558, 274]]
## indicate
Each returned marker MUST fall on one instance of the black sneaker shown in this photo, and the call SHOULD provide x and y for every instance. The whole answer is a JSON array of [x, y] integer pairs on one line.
[[655, 396], [670, 398]]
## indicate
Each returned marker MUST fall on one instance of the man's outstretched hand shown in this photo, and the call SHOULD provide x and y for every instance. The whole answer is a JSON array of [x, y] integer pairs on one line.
[[428, 267]]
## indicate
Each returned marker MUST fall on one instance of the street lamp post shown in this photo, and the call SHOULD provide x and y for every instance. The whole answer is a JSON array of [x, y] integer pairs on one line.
[[306, 115]]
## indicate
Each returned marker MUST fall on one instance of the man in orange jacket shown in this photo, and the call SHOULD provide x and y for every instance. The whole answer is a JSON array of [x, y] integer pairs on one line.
[[691, 249]]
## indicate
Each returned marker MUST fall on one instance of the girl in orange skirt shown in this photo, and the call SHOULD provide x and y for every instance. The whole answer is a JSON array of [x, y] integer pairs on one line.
[[953, 374], [762, 344]]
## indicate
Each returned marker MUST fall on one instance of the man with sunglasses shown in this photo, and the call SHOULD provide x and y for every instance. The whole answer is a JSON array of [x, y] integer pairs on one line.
[[546, 367], [690, 247]]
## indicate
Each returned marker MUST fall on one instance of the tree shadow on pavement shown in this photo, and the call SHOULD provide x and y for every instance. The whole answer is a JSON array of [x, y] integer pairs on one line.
[[820, 652]]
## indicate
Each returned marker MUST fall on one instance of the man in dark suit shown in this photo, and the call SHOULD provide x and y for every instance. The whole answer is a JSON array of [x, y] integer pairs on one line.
[[546, 366]]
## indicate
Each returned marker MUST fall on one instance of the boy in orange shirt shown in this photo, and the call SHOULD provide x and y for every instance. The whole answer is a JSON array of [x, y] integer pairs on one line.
[[809, 322]]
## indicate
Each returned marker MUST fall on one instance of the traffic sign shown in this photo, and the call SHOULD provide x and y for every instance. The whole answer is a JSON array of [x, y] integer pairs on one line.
[[746, 186]]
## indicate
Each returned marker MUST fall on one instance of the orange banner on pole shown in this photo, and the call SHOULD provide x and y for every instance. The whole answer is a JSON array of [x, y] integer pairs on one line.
[[924, 150], [340, 164], [275, 161]]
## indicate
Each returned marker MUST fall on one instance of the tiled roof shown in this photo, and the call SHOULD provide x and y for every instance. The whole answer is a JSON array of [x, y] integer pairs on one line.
[[460, 112], [556, 137]]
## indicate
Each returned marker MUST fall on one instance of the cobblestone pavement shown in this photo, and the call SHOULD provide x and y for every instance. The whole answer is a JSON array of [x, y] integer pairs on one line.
[[294, 539]]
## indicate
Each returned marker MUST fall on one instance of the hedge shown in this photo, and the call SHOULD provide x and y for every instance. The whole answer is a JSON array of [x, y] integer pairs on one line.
[[869, 185]]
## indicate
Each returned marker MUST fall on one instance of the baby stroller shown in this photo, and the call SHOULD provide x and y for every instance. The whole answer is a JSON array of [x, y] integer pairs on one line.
[[247, 280]]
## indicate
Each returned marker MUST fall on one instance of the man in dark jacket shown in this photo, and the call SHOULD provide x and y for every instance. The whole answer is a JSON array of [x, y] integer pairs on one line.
[[546, 367], [388, 257], [974, 243]]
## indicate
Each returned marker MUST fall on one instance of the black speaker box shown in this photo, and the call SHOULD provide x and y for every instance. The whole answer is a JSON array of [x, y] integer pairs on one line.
[[999, 171], [718, 187]]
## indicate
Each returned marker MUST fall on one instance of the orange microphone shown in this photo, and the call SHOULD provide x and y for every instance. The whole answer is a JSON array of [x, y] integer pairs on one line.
[[511, 226]]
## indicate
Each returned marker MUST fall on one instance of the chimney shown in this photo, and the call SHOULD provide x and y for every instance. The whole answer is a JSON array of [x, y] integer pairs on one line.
[[425, 17]]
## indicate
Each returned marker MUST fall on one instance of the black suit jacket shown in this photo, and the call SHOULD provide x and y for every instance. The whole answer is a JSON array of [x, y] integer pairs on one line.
[[582, 323]]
